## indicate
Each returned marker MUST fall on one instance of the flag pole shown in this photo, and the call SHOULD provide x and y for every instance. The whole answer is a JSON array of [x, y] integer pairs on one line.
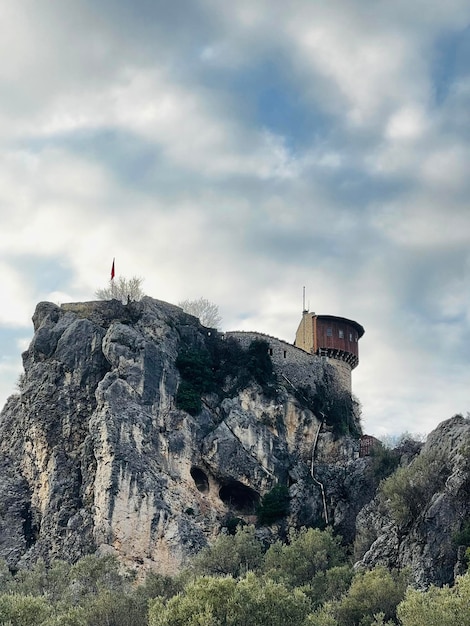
[[112, 280]]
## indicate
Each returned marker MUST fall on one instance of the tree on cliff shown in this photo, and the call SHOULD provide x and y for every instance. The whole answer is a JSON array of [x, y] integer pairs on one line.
[[207, 312], [123, 289]]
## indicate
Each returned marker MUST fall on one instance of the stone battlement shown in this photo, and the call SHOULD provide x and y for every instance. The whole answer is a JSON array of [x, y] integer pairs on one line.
[[298, 366]]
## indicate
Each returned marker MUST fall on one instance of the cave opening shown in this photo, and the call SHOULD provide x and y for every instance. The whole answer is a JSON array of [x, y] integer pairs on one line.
[[30, 528], [239, 497], [200, 479]]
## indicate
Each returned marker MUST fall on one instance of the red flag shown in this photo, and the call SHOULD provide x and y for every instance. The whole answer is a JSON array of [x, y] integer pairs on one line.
[[112, 270]]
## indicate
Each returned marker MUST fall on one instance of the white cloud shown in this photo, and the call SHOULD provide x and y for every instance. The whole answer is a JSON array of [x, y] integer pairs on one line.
[[408, 123], [16, 296]]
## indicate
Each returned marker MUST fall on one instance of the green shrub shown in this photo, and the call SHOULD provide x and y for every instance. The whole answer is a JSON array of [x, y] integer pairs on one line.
[[51, 581], [23, 610], [197, 379], [224, 601], [93, 574], [329, 584], [308, 552], [274, 505], [156, 585], [68, 616], [260, 366], [370, 593], [437, 607], [188, 398], [116, 609], [222, 366], [231, 554], [462, 537], [231, 524], [409, 489], [383, 461]]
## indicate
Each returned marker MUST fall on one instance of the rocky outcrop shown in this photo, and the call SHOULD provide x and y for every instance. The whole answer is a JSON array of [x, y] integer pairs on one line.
[[96, 454], [416, 521]]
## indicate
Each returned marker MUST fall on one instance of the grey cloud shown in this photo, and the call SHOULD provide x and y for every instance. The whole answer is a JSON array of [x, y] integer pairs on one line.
[[259, 147]]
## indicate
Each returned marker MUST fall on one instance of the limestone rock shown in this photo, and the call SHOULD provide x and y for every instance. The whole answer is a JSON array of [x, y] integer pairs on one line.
[[96, 455], [425, 543]]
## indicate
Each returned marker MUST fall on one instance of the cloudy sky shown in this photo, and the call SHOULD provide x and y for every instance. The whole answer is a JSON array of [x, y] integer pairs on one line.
[[240, 151]]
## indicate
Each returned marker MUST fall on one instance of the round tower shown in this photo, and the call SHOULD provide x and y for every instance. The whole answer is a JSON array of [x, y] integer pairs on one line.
[[333, 337]]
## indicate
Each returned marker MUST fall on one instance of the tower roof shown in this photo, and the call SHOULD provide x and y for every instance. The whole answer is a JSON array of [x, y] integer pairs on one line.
[[358, 327]]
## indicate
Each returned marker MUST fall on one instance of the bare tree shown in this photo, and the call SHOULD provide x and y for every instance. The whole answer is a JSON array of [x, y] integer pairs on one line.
[[123, 289], [207, 312]]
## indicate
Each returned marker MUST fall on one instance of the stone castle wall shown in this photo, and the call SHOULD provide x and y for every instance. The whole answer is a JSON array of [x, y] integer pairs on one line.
[[299, 367], [343, 371]]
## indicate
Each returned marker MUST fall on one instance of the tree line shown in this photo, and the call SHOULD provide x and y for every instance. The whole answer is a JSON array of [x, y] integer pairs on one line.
[[308, 580]]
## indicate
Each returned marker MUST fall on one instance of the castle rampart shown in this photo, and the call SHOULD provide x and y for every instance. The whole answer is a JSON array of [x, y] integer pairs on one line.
[[298, 366]]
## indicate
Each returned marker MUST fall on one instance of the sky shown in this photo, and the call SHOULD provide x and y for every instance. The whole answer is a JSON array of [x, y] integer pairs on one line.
[[239, 151]]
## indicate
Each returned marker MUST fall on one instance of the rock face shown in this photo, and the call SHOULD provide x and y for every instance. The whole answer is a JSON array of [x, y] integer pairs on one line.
[[415, 524], [96, 455]]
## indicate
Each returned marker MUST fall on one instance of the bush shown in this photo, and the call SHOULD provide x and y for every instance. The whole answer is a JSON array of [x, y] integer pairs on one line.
[[206, 311], [41, 580], [462, 537], [92, 592], [216, 601], [383, 461], [116, 609], [231, 524], [22, 610], [308, 552], [437, 607], [123, 289], [274, 505], [197, 379], [231, 554], [68, 616], [93, 574], [329, 585], [188, 398], [370, 593], [260, 366], [222, 367], [407, 492]]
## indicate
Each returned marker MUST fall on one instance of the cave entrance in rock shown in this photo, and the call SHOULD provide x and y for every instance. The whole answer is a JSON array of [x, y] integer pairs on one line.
[[200, 479], [239, 497]]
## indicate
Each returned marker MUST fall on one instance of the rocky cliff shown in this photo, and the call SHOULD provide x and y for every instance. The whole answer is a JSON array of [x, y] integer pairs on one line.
[[138, 431], [420, 519], [97, 453]]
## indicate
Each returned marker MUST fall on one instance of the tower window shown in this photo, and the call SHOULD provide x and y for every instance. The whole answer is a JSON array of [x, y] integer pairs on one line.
[[341, 334], [329, 332], [285, 353], [350, 337]]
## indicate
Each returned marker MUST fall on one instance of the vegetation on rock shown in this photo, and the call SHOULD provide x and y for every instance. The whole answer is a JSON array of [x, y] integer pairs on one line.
[[409, 489], [383, 461], [222, 366], [274, 505], [333, 403]]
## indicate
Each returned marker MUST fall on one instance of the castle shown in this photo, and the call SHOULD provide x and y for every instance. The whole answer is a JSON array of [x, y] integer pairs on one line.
[[318, 338]]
